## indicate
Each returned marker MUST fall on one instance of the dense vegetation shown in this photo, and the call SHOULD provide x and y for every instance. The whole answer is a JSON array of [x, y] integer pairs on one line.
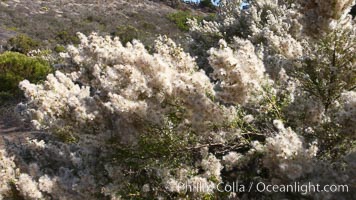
[[22, 44], [180, 19], [15, 67]]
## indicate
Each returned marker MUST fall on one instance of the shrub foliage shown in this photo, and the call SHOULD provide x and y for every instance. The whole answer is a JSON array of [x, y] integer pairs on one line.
[[22, 44], [15, 67]]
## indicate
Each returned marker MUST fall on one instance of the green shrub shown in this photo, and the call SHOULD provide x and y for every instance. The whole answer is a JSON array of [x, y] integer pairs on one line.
[[210, 17], [328, 72], [180, 19], [207, 4], [127, 33], [148, 26], [59, 49], [22, 44], [15, 67], [65, 37]]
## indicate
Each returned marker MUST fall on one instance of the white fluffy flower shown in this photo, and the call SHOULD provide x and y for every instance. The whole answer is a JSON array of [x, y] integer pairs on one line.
[[45, 183], [127, 83], [286, 155], [28, 187], [232, 159], [212, 167], [240, 72], [173, 185], [248, 118], [347, 115], [7, 172]]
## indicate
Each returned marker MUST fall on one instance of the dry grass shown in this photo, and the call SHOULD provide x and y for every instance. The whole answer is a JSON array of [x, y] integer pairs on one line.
[[43, 20]]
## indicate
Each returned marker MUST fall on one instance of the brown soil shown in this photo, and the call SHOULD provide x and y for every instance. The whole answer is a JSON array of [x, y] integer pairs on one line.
[[12, 129]]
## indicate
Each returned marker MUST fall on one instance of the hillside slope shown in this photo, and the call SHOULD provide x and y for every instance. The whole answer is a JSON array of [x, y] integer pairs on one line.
[[56, 22]]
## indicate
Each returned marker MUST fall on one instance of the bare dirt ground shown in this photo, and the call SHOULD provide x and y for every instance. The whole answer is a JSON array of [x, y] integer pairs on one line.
[[12, 129], [10, 132]]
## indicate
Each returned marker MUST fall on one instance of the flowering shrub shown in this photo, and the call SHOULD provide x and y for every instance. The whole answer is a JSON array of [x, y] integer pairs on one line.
[[180, 19], [8, 173], [127, 123], [285, 155], [239, 72], [305, 47]]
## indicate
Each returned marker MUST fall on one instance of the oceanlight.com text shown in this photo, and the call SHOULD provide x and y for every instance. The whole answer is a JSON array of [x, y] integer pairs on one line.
[[297, 187]]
